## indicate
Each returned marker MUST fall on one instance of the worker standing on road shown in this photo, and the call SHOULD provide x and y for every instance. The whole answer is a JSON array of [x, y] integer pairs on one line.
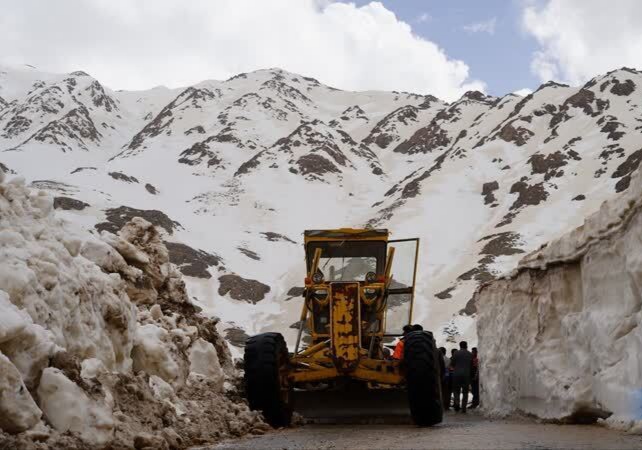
[[462, 363], [451, 369], [446, 359], [474, 380], [445, 377]]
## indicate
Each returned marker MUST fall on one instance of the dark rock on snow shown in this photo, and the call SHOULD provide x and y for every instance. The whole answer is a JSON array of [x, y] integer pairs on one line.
[[117, 217], [239, 288]]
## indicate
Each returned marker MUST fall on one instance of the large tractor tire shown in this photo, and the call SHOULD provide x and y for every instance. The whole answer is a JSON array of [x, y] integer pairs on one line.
[[266, 378], [423, 378]]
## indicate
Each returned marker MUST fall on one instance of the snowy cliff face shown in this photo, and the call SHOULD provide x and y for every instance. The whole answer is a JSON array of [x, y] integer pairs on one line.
[[233, 171], [99, 339], [561, 337]]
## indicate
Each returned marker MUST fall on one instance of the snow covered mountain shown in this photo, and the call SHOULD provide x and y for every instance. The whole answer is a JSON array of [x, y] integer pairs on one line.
[[235, 170]]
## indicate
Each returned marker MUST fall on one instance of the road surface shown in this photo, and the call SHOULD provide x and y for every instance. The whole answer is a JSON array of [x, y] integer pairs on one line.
[[471, 431]]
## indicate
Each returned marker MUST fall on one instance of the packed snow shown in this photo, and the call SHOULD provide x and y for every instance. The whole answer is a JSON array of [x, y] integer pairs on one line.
[[99, 344], [560, 338]]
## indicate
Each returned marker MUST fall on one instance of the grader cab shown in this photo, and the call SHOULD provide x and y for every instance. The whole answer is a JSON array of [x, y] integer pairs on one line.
[[359, 293]]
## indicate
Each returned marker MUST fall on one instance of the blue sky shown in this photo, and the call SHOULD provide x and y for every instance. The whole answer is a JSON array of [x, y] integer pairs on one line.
[[501, 59]]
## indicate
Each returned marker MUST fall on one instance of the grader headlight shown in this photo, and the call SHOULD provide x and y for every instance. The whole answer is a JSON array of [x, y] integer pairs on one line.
[[320, 295], [370, 294]]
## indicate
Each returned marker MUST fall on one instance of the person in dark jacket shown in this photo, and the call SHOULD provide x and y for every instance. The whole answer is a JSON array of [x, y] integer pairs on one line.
[[462, 363], [442, 369], [450, 377], [474, 381], [445, 376]]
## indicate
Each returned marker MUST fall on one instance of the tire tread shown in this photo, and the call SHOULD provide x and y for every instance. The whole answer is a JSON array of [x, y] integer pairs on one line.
[[423, 378], [262, 385]]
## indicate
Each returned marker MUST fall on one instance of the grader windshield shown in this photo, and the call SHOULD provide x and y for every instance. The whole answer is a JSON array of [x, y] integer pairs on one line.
[[348, 260], [362, 256]]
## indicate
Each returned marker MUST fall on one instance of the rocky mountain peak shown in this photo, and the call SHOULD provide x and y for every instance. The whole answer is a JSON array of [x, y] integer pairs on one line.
[[354, 112], [285, 91], [74, 130], [79, 73]]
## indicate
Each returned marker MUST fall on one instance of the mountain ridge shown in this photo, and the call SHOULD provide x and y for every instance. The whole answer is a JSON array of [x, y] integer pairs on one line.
[[481, 179]]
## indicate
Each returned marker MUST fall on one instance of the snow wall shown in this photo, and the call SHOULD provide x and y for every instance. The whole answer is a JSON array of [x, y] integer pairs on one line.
[[560, 337], [100, 345]]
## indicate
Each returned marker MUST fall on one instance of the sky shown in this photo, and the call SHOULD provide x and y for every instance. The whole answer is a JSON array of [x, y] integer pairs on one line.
[[439, 47], [486, 34]]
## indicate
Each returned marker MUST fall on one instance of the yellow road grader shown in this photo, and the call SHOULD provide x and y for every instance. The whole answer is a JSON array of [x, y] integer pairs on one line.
[[359, 293]]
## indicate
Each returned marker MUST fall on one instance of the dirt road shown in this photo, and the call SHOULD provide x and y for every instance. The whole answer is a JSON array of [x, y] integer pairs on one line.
[[456, 432]]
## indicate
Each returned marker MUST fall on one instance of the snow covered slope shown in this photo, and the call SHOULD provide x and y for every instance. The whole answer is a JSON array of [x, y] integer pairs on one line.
[[235, 170], [561, 338]]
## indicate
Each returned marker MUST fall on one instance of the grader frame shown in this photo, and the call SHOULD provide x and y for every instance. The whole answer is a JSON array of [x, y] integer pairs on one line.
[[346, 314], [352, 347]]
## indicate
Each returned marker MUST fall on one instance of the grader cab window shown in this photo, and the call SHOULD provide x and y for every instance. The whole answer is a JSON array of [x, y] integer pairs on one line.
[[347, 269], [344, 261], [348, 260]]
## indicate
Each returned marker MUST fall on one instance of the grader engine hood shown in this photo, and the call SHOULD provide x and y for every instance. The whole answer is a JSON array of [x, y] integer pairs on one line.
[[345, 326]]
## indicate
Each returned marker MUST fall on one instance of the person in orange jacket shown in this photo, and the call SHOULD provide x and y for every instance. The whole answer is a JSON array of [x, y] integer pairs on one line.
[[398, 353]]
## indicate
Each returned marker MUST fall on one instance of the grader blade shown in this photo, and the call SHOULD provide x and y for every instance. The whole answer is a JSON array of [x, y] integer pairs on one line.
[[353, 406]]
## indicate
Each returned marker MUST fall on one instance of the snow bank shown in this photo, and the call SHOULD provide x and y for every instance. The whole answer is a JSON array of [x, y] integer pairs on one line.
[[99, 343], [68, 407], [561, 336], [153, 353], [204, 362], [18, 411], [83, 309]]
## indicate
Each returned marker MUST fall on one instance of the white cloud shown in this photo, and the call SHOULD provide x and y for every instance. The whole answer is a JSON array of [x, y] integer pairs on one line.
[[423, 18], [138, 44], [579, 39], [487, 26], [523, 92]]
